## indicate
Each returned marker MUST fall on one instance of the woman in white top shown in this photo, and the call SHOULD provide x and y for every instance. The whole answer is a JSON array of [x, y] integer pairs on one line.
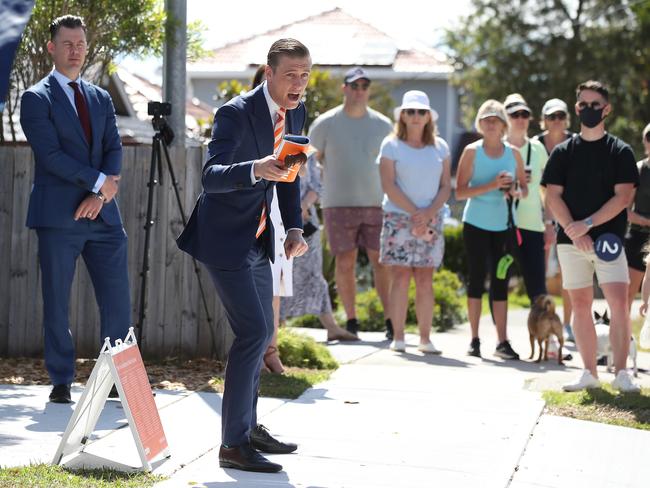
[[415, 175]]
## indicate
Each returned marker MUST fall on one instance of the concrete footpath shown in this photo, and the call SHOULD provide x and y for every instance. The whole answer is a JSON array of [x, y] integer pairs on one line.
[[384, 419]]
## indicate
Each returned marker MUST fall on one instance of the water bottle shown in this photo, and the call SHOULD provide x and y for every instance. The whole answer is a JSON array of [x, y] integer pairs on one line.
[[644, 336]]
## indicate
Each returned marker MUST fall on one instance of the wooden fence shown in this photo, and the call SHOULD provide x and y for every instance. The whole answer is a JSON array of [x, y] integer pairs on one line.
[[176, 323]]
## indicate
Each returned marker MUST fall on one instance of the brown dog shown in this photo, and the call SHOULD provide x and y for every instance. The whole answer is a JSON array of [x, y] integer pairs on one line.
[[542, 322]]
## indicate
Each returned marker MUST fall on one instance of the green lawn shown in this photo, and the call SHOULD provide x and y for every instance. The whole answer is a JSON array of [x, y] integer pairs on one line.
[[603, 405], [47, 476], [291, 384]]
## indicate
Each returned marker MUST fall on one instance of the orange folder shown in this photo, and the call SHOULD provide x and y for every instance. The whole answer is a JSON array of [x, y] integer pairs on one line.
[[293, 154]]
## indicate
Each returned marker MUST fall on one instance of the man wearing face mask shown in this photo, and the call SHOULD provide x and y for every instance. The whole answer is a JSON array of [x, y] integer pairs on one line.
[[590, 181]]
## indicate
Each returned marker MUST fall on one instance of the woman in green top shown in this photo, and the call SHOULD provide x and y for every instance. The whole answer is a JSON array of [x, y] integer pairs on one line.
[[529, 214]]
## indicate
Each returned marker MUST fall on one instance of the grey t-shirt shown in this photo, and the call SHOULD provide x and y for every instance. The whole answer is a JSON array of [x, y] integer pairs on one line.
[[349, 149]]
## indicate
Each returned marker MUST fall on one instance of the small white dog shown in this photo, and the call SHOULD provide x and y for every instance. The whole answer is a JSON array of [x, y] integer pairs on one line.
[[605, 347]]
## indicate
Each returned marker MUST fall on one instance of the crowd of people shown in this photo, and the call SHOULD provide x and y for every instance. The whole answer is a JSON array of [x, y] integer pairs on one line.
[[527, 198], [382, 186]]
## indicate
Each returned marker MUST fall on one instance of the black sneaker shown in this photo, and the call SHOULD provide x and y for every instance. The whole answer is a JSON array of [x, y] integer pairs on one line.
[[352, 326], [505, 351], [474, 348], [389, 330], [60, 394]]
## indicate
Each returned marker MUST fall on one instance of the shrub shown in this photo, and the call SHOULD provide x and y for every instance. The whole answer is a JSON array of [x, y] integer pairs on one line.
[[448, 309], [455, 258], [301, 351]]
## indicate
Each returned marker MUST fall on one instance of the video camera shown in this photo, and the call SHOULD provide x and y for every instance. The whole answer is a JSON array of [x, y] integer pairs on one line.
[[158, 110]]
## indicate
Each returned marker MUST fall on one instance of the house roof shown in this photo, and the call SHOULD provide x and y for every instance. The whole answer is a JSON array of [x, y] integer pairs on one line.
[[336, 40]]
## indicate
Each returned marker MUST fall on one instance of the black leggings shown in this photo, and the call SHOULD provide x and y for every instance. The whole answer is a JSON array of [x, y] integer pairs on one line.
[[533, 268], [484, 248]]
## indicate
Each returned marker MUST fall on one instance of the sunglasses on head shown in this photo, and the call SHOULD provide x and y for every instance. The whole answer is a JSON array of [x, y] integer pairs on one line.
[[595, 105], [520, 114], [413, 111], [556, 116], [359, 86]]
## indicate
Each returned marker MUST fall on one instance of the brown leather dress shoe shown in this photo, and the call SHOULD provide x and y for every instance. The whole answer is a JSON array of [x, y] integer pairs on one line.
[[263, 441], [246, 458]]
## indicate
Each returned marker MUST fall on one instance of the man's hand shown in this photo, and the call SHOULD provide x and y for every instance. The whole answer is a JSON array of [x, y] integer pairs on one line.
[[110, 187], [576, 229], [584, 243], [295, 245], [270, 169], [89, 208]]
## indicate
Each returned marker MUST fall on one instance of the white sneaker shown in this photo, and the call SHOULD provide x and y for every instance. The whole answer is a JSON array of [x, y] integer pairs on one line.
[[429, 348], [586, 380], [623, 383], [399, 346]]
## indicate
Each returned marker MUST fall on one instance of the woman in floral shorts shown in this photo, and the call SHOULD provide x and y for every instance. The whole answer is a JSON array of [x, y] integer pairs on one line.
[[415, 175]]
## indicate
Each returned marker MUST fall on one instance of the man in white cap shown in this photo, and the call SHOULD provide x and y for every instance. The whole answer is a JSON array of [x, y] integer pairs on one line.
[[348, 138]]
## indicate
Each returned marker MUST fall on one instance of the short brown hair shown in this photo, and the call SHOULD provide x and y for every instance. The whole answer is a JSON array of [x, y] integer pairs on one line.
[[285, 47], [68, 21], [593, 85]]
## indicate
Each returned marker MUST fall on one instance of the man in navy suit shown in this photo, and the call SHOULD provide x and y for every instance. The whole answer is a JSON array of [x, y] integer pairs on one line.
[[71, 127], [230, 232]]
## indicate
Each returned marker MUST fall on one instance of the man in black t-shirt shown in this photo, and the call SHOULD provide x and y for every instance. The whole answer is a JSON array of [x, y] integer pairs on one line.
[[590, 181]]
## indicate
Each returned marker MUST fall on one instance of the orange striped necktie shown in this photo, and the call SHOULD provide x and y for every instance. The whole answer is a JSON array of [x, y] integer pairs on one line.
[[278, 130]]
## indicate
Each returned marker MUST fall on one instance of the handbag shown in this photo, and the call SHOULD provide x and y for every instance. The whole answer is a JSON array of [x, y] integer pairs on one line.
[[308, 229]]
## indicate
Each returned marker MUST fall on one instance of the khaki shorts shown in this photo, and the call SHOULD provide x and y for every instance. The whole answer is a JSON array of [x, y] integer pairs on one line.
[[349, 228], [578, 268]]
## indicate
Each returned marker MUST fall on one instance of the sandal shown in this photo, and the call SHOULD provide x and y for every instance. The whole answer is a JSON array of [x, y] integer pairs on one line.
[[272, 360]]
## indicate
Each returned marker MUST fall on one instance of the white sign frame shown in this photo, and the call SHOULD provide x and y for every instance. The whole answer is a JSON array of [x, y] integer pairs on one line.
[[86, 414]]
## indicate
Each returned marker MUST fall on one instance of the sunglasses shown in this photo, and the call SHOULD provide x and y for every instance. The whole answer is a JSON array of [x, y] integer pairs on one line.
[[556, 116], [520, 114], [595, 105], [359, 86], [413, 111]]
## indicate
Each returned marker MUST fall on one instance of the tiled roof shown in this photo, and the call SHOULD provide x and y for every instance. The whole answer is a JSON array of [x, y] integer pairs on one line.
[[335, 39]]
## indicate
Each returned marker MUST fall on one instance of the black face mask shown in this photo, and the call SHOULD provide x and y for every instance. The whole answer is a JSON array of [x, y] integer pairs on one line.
[[591, 117]]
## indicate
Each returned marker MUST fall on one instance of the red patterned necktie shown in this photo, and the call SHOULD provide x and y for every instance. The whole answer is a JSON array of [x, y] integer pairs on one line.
[[82, 110], [278, 130]]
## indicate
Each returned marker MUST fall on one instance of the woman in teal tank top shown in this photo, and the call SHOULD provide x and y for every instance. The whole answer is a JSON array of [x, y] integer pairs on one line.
[[488, 169]]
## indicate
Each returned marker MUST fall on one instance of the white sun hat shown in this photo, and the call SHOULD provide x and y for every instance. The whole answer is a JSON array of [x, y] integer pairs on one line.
[[415, 99]]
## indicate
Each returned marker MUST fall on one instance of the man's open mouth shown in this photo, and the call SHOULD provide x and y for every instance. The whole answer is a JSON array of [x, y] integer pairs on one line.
[[294, 97]]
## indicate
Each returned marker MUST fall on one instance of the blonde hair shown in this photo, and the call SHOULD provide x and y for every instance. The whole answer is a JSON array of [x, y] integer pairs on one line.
[[493, 106], [428, 134]]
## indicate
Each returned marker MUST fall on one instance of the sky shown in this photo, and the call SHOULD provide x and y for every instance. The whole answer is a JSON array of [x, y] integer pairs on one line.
[[405, 20], [419, 20]]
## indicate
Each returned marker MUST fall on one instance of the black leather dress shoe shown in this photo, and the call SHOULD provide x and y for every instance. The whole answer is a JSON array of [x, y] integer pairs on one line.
[[263, 441], [60, 394], [246, 458]]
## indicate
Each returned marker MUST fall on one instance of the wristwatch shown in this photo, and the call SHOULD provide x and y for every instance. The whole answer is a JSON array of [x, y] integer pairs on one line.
[[589, 222], [100, 196]]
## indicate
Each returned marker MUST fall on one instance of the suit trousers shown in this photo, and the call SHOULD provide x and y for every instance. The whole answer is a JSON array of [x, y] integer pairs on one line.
[[104, 250], [247, 295]]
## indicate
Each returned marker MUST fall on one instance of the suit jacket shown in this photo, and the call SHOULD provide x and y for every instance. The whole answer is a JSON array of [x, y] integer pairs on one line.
[[67, 167], [222, 227]]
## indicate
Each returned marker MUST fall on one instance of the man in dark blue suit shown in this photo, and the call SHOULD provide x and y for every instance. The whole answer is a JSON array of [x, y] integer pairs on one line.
[[71, 127], [230, 232]]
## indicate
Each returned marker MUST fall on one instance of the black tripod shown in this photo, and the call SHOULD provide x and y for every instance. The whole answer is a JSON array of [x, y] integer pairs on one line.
[[162, 137]]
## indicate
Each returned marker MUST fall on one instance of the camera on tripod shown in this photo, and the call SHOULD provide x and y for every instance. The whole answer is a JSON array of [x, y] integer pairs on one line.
[[158, 110]]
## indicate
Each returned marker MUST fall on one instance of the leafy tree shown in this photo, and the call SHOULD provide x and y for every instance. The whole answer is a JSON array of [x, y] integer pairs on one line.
[[116, 28], [544, 48]]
